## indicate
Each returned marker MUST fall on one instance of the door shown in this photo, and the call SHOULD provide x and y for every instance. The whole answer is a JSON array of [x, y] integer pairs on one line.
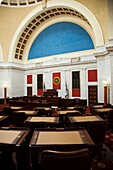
[[92, 95], [29, 91]]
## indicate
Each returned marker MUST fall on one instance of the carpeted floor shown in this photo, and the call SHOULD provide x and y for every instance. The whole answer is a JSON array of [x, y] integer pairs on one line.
[[105, 165], [105, 161], [109, 140]]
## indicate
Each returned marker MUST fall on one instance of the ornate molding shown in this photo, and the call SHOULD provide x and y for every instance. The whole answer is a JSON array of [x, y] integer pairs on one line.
[[19, 3], [38, 20]]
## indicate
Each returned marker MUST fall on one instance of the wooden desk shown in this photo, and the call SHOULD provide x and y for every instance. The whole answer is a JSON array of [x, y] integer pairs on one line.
[[63, 115], [3, 120], [93, 107], [85, 119], [97, 106], [103, 112], [43, 119], [60, 140], [16, 107], [71, 108], [34, 122], [11, 137], [2, 117], [12, 140], [28, 112], [64, 112], [45, 108]]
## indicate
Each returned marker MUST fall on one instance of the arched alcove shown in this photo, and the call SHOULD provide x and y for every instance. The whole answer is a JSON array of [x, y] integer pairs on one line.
[[59, 38], [38, 17]]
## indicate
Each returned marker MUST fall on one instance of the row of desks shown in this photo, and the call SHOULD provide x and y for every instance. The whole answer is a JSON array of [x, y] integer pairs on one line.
[[41, 139], [96, 109], [33, 118], [57, 139], [72, 119], [50, 122], [69, 109], [44, 138]]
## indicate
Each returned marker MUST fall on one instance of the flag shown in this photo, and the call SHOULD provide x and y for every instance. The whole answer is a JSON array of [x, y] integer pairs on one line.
[[67, 91], [44, 87], [56, 80]]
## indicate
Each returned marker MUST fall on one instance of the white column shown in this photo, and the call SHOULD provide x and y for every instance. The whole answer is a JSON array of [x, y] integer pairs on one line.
[[34, 84], [104, 72], [83, 83]]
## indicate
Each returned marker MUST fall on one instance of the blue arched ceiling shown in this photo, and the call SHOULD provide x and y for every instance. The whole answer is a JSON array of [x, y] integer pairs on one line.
[[59, 38]]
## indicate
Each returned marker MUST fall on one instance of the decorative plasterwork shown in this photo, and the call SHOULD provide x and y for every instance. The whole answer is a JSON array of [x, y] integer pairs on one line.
[[19, 3], [38, 20]]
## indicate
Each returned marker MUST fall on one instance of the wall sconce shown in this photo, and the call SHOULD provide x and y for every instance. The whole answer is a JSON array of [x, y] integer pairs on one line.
[[5, 95], [105, 82]]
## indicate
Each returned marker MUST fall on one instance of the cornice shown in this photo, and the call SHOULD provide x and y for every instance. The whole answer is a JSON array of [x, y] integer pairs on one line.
[[22, 67]]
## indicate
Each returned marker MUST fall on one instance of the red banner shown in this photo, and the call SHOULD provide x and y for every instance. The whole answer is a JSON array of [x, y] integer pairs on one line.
[[92, 75], [56, 80], [29, 79]]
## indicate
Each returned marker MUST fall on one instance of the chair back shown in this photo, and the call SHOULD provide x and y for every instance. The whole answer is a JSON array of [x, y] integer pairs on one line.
[[71, 160], [110, 117], [97, 131]]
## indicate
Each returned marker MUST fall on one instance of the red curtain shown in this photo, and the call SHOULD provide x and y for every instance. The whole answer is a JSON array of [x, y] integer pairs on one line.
[[40, 92], [75, 92]]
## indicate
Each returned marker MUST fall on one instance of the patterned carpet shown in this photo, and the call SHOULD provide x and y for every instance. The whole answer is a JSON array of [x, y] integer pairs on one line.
[[105, 161], [109, 140], [105, 165]]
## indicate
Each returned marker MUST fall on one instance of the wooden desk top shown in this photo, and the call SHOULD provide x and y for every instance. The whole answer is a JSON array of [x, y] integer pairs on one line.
[[3, 117], [103, 110], [42, 119], [45, 108], [85, 118], [67, 111], [44, 139], [71, 108], [97, 106], [72, 137], [15, 107], [28, 112]]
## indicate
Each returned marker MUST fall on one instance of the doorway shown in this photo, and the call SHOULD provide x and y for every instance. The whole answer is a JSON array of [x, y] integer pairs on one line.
[[92, 95], [29, 91]]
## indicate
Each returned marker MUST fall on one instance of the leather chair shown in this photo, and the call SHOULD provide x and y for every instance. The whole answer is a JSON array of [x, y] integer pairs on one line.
[[110, 121], [69, 160], [97, 131]]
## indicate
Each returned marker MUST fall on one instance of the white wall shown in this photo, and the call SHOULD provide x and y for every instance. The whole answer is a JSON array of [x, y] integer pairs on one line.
[[17, 83], [60, 64], [14, 76], [13, 79], [5, 81]]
